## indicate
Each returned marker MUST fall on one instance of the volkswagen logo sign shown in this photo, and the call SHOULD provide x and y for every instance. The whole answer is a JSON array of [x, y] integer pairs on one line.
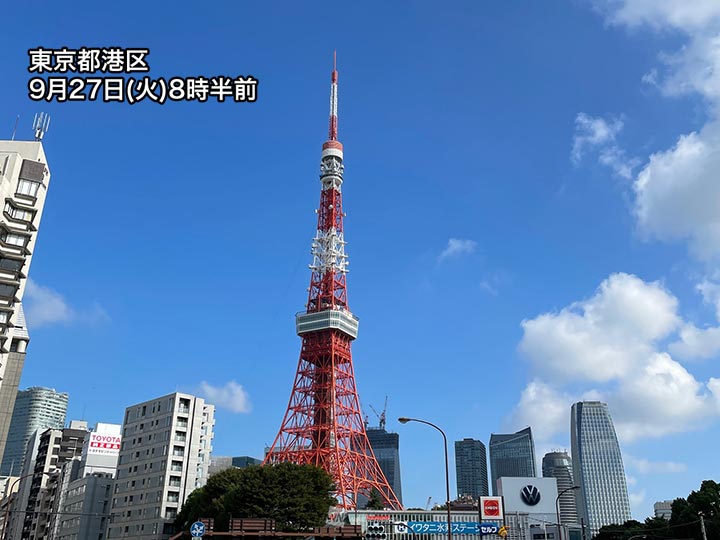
[[530, 495]]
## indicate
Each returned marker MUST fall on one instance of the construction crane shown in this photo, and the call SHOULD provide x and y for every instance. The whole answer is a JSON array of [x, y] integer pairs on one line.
[[381, 416], [427, 504]]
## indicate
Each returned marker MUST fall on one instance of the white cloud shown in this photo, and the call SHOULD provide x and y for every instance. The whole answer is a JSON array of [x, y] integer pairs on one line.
[[612, 342], [631, 480], [44, 306], [592, 132], [677, 192], [696, 343], [456, 247], [636, 499], [710, 291], [644, 466], [232, 396], [604, 337]]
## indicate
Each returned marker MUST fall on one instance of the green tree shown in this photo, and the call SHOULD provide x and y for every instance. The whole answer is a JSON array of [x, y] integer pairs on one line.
[[375, 502], [297, 497]]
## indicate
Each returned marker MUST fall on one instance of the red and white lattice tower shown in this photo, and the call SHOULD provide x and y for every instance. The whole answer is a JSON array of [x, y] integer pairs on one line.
[[323, 423]]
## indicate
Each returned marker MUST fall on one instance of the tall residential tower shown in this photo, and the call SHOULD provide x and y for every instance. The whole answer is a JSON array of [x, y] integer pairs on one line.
[[24, 179], [36, 408], [471, 468], [597, 466], [165, 455], [512, 455]]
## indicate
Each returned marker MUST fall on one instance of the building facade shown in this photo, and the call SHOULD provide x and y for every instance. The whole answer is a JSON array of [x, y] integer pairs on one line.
[[386, 447], [597, 467], [82, 509], [663, 509], [55, 448], [471, 468], [512, 455], [35, 409], [24, 180], [222, 463], [164, 456], [558, 465]]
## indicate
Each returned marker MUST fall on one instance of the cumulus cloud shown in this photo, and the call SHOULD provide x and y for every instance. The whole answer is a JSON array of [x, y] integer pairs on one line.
[[612, 344], [456, 247], [45, 306], [604, 337], [696, 343], [232, 396], [677, 191]]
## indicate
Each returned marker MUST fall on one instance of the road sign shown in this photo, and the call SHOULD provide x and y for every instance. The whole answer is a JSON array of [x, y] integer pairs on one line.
[[197, 529], [441, 527]]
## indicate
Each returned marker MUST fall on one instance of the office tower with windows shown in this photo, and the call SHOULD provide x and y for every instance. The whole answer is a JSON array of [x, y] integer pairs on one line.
[[512, 455], [471, 468], [597, 466], [165, 454], [24, 179], [558, 465], [386, 447], [36, 408]]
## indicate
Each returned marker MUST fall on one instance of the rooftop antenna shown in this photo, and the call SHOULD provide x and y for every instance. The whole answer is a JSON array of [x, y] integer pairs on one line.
[[41, 123], [15, 128]]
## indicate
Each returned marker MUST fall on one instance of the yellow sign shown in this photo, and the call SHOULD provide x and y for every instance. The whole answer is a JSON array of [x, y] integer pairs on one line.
[[502, 532]]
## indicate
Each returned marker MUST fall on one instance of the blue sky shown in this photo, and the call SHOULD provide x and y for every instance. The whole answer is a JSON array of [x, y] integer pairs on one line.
[[531, 201]]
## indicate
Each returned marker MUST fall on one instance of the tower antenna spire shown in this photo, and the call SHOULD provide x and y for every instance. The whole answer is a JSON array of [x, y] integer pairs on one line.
[[333, 131]]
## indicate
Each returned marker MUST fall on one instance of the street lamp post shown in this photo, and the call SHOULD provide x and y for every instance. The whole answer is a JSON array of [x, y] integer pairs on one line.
[[404, 420], [557, 508]]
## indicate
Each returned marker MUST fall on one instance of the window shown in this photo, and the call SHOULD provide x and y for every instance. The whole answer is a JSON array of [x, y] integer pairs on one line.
[[18, 213], [12, 265], [171, 513], [176, 466], [28, 187], [173, 496], [14, 239], [4, 316]]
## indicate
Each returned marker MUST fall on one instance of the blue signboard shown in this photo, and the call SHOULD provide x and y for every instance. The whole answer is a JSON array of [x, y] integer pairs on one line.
[[197, 529], [441, 527]]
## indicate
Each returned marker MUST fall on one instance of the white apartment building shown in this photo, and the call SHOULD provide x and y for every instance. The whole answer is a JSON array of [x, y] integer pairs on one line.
[[24, 179], [165, 455]]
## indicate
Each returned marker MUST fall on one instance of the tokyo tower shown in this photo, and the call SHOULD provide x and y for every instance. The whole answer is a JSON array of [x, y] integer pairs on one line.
[[323, 423]]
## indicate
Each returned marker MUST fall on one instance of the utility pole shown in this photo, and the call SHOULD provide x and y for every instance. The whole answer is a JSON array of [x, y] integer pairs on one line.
[[702, 525]]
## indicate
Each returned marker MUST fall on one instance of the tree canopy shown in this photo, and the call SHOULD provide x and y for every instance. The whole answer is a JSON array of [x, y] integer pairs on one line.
[[684, 522], [297, 497]]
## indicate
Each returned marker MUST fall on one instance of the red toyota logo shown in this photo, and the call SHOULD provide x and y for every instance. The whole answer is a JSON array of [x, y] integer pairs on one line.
[[491, 508]]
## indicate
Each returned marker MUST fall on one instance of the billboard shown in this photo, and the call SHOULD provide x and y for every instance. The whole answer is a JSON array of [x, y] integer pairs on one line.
[[529, 495], [491, 508], [104, 444]]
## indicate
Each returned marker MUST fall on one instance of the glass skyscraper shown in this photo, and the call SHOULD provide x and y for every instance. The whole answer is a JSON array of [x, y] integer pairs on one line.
[[471, 468], [35, 409], [559, 465], [597, 467], [512, 455], [386, 447]]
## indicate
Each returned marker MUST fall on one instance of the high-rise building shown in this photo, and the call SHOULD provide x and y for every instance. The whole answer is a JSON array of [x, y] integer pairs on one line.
[[56, 447], [165, 454], [597, 466], [558, 465], [512, 455], [471, 468], [386, 447], [85, 484], [36, 408], [24, 180]]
